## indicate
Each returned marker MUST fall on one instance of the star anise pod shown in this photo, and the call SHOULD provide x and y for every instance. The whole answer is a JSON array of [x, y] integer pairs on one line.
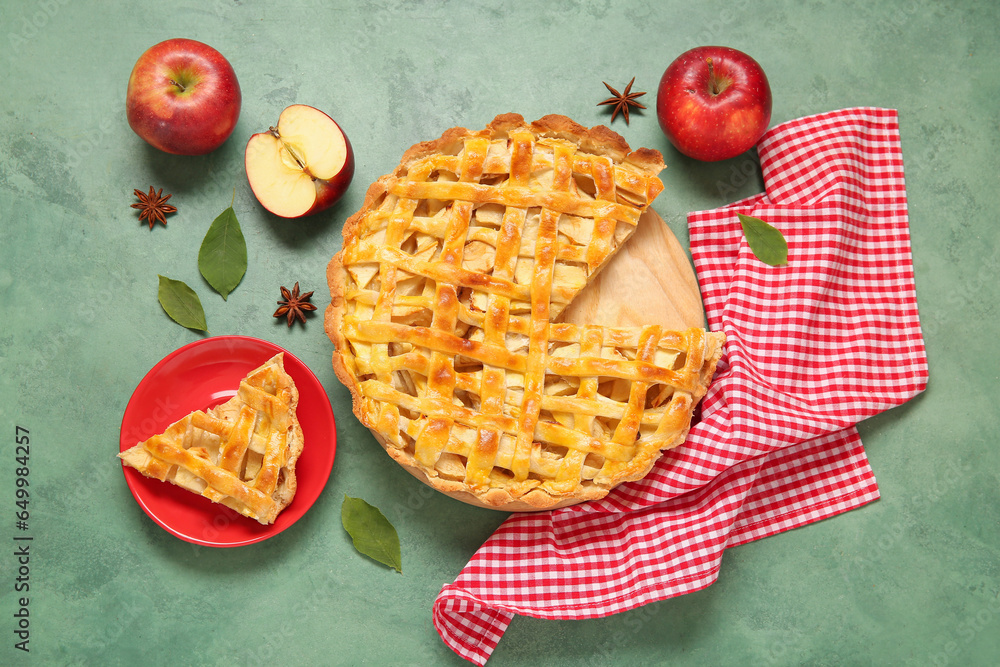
[[153, 207], [622, 101], [294, 305]]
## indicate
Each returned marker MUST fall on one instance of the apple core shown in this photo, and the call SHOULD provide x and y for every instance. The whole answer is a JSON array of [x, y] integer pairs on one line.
[[300, 166]]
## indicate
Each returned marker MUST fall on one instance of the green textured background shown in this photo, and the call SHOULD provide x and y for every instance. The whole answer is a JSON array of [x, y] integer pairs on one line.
[[912, 579]]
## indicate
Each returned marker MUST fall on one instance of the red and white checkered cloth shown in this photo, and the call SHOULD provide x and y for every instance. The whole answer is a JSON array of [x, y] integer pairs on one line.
[[813, 348]]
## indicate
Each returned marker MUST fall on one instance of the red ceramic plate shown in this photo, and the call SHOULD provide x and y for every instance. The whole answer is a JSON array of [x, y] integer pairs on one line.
[[200, 376]]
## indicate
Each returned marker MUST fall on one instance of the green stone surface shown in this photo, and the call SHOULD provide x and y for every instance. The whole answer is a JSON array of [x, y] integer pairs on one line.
[[912, 579]]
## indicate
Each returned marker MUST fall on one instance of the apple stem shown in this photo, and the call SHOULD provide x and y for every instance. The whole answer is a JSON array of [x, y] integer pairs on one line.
[[716, 84], [713, 83], [178, 84]]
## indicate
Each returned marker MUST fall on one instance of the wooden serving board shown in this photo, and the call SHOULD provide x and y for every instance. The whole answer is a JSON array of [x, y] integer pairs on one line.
[[649, 280]]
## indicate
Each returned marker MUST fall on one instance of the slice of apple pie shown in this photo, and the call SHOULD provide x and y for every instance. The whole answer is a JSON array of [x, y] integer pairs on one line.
[[241, 453], [444, 313]]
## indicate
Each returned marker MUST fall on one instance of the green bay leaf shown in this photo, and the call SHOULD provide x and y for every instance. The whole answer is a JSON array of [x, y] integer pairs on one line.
[[222, 258], [372, 533], [766, 242], [182, 304]]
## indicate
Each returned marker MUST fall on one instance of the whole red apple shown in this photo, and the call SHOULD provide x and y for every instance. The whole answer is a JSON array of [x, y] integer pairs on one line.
[[713, 103], [302, 165], [183, 97]]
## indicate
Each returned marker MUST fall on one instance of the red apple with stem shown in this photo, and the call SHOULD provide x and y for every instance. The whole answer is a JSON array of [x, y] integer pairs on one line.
[[302, 165], [713, 103], [183, 97]]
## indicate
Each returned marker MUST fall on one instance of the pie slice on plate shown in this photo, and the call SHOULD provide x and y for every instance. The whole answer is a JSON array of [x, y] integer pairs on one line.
[[446, 298], [241, 453]]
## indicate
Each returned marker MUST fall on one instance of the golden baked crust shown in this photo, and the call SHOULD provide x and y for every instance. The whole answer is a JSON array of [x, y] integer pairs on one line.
[[241, 453], [445, 299]]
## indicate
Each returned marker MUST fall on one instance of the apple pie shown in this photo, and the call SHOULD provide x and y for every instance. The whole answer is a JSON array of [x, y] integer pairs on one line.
[[241, 453], [445, 308]]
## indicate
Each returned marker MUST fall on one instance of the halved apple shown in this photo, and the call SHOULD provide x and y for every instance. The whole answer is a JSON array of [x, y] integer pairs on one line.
[[301, 166]]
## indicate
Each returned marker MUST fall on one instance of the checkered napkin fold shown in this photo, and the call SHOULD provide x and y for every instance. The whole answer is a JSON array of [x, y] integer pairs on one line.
[[812, 348]]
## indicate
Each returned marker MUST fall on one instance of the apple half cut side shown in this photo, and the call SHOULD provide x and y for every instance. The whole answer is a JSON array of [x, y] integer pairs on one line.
[[301, 166]]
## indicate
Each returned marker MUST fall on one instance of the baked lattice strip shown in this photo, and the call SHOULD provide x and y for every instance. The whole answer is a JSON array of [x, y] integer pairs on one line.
[[241, 453], [445, 304], [600, 409]]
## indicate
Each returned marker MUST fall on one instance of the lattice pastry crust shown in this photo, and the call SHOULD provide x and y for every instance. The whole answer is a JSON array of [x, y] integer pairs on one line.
[[445, 299], [241, 453]]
